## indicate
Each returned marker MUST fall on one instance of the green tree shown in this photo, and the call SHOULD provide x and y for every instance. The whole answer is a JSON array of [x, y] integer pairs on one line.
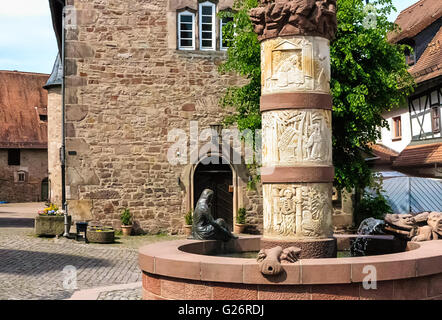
[[369, 76]]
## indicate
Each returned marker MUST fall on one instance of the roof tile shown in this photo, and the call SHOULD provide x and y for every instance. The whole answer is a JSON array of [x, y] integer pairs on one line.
[[423, 154], [22, 101]]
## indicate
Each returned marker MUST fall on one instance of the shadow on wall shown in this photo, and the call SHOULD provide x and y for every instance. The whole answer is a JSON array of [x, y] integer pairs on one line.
[[23, 262]]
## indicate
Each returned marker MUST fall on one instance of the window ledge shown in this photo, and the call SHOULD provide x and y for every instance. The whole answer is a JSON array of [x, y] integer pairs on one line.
[[396, 139], [206, 53]]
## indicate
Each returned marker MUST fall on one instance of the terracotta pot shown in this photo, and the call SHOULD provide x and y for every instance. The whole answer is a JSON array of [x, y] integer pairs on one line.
[[239, 228], [127, 230], [187, 229]]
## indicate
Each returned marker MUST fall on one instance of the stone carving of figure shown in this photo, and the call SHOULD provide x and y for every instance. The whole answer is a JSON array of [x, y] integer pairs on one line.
[[287, 209], [315, 207], [435, 222], [288, 73], [291, 136], [314, 143], [205, 227]]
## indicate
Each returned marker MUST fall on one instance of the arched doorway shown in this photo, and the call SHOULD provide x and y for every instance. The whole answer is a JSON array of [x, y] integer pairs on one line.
[[219, 178], [45, 189]]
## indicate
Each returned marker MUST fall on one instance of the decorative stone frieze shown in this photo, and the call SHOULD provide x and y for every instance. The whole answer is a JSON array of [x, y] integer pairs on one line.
[[297, 171]]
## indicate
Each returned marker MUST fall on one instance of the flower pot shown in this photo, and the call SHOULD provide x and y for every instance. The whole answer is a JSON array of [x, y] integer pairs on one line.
[[239, 228], [127, 230], [187, 229]]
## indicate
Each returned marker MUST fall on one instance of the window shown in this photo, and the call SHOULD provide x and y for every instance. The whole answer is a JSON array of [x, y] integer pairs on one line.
[[21, 176], [435, 119], [224, 42], [186, 31], [14, 157], [410, 54], [207, 25], [43, 117], [397, 128]]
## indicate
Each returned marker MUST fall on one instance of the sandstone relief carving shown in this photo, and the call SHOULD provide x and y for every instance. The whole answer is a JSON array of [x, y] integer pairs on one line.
[[270, 259], [275, 18], [297, 210], [416, 227], [297, 137], [298, 64]]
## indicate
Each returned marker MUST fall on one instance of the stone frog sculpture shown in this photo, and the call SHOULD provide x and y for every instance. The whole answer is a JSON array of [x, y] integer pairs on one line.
[[270, 259], [205, 227]]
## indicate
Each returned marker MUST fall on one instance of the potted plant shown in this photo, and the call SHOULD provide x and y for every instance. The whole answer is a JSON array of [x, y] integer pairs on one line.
[[240, 221], [126, 222], [188, 218]]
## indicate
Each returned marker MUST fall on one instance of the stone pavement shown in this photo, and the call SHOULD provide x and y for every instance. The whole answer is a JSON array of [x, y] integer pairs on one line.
[[31, 268], [19, 215], [130, 294]]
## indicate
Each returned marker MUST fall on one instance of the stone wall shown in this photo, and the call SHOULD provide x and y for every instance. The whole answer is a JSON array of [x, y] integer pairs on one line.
[[34, 163], [127, 88], [54, 143]]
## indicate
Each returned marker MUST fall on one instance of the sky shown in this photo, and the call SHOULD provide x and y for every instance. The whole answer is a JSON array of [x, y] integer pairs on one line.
[[27, 40]]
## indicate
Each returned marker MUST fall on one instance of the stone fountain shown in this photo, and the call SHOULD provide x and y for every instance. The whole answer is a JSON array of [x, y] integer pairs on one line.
[[297, 178], [297, 173]]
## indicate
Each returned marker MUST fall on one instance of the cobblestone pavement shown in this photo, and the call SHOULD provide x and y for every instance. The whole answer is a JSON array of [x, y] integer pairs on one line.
[[19, 215], [32, 267], [129, 294]]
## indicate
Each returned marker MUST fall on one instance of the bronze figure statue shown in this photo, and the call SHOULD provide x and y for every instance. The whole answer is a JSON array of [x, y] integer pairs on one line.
[[205, 227]]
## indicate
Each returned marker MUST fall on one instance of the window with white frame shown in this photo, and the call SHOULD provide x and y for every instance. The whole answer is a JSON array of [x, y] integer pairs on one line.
[[186, 30], [207, 34], [224, 42], [21, 176]]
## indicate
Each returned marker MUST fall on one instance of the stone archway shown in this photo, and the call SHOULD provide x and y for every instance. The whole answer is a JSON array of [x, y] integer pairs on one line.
[[221, 178]]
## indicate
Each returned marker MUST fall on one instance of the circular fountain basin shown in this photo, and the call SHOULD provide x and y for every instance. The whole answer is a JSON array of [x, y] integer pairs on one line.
[[187, 270]]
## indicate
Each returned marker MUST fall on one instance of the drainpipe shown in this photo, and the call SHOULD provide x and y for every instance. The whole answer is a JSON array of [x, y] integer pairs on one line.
[[63, 142]]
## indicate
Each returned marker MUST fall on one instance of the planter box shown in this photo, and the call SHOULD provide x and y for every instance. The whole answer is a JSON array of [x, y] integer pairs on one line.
[[50, 225], [94, 236]]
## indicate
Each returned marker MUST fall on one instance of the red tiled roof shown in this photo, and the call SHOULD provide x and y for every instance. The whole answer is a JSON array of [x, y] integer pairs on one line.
[[385, 154], [416, 18], [22, 100], [423, 154], [429, 64]]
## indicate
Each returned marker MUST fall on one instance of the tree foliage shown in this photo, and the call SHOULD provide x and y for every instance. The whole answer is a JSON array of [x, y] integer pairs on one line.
[[369, 76]]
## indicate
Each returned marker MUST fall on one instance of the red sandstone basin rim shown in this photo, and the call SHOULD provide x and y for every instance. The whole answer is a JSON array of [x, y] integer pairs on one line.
[[169, 259]]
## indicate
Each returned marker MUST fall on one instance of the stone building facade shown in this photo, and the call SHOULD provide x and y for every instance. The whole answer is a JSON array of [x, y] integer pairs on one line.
[[53, 87], [132, 77], [23, 137]]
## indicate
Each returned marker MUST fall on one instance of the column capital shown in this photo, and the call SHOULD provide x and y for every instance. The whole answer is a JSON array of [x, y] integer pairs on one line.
[[276, 18]]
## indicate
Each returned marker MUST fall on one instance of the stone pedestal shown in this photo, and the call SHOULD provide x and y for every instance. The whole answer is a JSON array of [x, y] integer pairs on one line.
[[297, 172]]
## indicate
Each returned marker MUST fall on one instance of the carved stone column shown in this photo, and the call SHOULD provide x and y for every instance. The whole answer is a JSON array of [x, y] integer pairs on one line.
[[297, 173]]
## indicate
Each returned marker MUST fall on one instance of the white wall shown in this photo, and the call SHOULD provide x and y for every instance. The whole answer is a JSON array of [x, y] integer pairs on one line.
[[387, 134]]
